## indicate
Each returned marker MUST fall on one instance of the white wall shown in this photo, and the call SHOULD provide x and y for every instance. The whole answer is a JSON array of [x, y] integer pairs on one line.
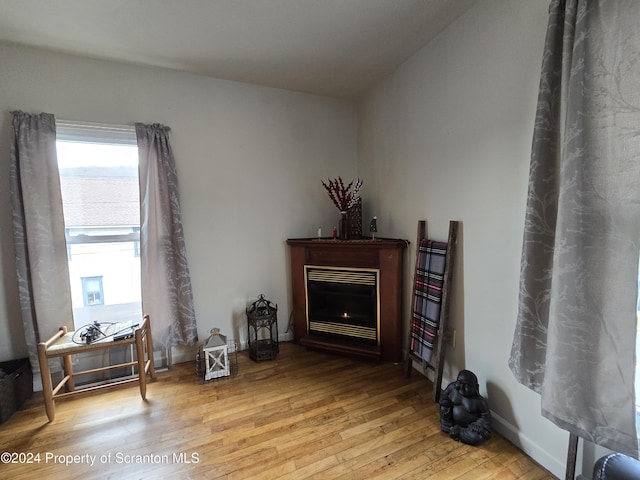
[[448, 137], [249, 160]]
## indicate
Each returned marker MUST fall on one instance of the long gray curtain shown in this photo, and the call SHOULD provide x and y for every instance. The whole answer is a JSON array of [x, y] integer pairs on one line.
[[166, 286], [38, 227], [576, 330]]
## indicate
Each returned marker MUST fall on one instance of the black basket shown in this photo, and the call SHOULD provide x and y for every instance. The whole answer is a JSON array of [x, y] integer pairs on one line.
[[16, 386]]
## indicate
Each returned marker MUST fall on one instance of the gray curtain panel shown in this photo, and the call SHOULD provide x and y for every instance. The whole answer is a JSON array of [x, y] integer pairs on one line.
[[166, 285], [576, 330], [38, 227]]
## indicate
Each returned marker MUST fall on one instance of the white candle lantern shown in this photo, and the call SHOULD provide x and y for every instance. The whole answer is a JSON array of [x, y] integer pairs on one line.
[[216, 356]]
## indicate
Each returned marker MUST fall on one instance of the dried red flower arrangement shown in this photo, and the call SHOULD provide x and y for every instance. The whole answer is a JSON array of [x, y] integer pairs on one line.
[[342, 196]]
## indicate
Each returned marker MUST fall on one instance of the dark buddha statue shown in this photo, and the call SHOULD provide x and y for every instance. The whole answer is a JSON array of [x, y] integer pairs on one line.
[[464, 413]]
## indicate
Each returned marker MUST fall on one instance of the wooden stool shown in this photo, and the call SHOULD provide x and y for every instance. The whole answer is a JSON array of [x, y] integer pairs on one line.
[[62, 345]]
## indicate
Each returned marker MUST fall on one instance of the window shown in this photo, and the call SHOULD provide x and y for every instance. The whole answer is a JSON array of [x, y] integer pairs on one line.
[[92, 291], [98, 167]]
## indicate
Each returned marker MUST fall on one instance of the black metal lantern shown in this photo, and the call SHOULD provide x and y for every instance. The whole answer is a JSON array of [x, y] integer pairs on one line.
[[262, 321]]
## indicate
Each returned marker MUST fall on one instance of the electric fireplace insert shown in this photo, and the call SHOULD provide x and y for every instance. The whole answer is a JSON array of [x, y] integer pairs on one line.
[[343, 303]]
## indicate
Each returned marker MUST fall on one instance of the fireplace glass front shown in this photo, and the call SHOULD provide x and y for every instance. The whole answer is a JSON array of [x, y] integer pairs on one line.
[[343, 303]]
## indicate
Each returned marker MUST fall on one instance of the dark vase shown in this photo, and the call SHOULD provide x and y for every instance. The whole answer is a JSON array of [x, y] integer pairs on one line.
[[343, 230]]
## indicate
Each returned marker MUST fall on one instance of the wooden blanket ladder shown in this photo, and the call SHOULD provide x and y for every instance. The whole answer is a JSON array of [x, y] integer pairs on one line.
[[436, 362]]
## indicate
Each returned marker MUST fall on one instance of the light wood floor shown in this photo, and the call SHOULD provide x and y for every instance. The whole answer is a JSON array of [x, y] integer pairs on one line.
[[303, 415]]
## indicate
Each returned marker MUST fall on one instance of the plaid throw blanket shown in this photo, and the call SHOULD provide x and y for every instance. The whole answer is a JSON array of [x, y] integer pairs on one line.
[[425, 311]]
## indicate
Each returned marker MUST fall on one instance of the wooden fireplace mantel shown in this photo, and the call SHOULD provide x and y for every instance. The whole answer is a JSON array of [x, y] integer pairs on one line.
[[385, 254]]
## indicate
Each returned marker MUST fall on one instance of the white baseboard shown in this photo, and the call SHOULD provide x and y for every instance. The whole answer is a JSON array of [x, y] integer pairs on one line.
[[429, 373], [179, 355], [188, 354], [532, 449], [285, 337]]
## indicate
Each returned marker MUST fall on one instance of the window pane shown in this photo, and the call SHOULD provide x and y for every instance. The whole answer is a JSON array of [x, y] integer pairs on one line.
[[100, 196], [92, 291]]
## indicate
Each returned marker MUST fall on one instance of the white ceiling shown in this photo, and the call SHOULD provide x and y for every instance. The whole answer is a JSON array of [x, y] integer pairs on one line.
[[338, 48]]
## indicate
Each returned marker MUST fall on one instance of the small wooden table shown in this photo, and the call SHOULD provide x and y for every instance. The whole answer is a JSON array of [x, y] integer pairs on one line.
[[62, 345]]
